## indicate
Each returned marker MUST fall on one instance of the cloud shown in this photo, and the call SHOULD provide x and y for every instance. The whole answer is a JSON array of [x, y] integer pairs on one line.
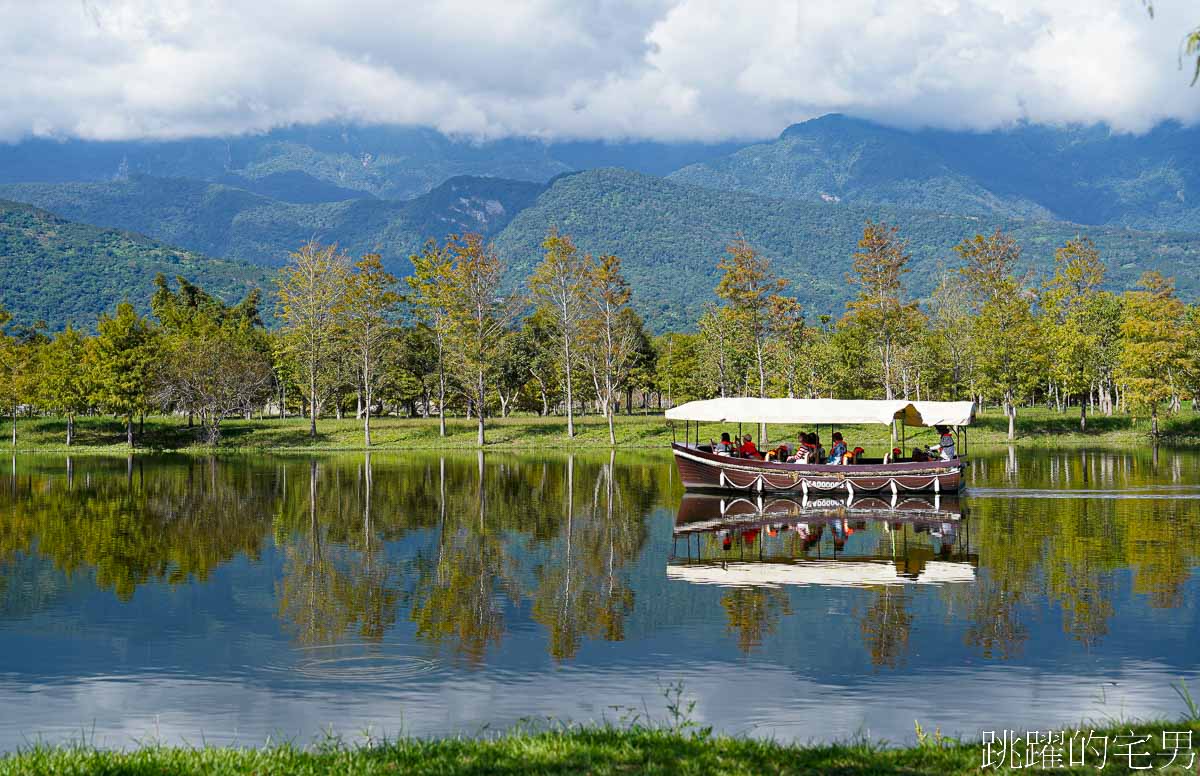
[[665, 69]]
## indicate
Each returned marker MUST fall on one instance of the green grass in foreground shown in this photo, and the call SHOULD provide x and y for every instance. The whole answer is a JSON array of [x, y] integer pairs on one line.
[[582, 750], [103, 434]]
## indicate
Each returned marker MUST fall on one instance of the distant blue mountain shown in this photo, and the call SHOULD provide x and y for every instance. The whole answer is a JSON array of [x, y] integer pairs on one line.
[[328, 162], [1088, 175]]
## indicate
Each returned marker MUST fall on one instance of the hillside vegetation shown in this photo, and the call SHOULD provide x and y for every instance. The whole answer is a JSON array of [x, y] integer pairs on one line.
[[1086, 175], [671, 236], [232, 223], [55, 270]]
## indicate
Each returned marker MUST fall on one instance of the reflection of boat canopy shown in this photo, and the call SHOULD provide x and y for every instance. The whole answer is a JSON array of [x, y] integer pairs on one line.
[[826, 573], [838, 412]]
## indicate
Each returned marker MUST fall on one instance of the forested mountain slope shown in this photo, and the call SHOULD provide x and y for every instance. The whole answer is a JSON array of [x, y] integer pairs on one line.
[[232, 223], [672, 235], [59, 271], [1083, 174]]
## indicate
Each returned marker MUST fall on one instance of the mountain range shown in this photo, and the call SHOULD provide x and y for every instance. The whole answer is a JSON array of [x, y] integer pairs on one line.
[[667, 209]]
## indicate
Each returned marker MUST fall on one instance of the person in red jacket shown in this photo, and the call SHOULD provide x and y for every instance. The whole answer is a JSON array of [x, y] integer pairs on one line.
[[748, 448]]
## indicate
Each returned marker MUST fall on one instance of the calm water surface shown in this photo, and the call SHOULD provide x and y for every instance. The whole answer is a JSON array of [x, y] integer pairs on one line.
[[241, 599]]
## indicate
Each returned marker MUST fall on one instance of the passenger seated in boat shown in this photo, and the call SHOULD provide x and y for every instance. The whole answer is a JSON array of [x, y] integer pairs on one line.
[[820, 456], [919, 454], [748, 448], [838, 454], [779, 453], [805, 451], [725, 446], [946, 444], [854, 455]]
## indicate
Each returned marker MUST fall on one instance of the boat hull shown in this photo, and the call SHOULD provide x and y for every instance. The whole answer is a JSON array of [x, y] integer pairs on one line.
[[702, 470]]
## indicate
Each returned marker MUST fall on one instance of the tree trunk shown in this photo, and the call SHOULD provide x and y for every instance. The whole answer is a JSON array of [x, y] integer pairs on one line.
[[367, 419], [441, 393], [612, 434], [1012, 420], [1154, 422], [479, 410], [312, 406], [1082, 416], [128, 430], [570, 406], [14, 425], [70, 428]]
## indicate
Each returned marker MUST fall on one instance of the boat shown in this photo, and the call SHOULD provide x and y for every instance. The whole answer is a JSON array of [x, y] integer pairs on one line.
[[701, 467], [778, 541]]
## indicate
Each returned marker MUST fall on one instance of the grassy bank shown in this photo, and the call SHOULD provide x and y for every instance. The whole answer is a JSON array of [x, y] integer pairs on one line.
[[588, 750], [1035, 427]]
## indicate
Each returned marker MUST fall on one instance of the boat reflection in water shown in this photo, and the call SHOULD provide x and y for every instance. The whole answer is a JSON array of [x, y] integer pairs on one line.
[[867, 541]]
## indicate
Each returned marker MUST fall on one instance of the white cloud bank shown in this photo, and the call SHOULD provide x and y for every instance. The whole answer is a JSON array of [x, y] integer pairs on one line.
[[665, 69]]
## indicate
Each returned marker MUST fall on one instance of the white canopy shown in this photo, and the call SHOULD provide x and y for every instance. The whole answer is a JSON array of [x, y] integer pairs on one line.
[[824, 573], [842, 412]]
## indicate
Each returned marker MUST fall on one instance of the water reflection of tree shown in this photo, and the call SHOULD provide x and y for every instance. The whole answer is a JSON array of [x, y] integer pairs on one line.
[[753, 613], [579, 591], [457, 600], [178, 524], [886, 625], [328, 588]]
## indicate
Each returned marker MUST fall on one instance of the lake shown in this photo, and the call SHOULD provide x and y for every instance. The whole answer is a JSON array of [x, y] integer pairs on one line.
[[247, 599]]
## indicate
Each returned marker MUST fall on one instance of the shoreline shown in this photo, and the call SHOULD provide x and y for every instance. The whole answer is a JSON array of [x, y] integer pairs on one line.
[[603, 749], [168, 434]]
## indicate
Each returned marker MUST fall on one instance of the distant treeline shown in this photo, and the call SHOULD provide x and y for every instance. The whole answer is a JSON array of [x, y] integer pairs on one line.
[[450, 339]]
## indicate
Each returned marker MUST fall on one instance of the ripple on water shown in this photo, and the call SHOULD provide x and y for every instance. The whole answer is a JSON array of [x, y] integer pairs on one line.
[[354, 662]]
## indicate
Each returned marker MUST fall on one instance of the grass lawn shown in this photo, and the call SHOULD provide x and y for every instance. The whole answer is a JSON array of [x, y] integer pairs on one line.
[[597, 750], [1036, 426]]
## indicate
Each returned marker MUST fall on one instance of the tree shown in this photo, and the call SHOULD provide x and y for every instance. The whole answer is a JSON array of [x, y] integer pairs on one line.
[[512, 372], [1074, 312], [477, 317], [678, 372], [722, 348], [367, 320], [122, 359], [749, 290], [1151, 346], [1007, 356], [559, 286], [951, 326], [537, 334], [216, 373], [429, 282], [788, 347], [1004, 332], [879, 265], [611, 339], [988, 264], [311, 288], [63, 386]]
